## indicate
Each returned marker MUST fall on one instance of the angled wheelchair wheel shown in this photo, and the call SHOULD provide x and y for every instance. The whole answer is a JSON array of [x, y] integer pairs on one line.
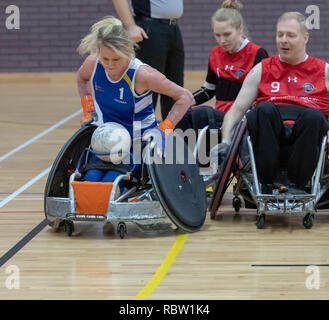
[[178, 185], [227, 169], [57, 184]]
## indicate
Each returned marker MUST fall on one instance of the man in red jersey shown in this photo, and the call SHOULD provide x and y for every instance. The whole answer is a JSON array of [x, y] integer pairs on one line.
[[291, 90]]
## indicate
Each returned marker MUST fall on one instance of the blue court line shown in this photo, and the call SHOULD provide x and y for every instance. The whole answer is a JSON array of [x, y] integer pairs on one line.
[[19, 245]]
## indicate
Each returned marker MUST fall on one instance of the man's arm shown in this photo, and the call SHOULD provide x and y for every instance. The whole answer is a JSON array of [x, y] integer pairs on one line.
[[327, 76], [245, 98], [135, 32]]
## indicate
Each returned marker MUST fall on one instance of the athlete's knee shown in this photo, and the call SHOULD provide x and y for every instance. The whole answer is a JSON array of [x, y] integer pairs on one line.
[[199, 117], [94, 175], [312, 115], [186, 122], [266, 108]]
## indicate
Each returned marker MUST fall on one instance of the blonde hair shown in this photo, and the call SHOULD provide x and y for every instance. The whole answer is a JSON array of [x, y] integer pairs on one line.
[[229, 11], [294, 15], [108, 32]]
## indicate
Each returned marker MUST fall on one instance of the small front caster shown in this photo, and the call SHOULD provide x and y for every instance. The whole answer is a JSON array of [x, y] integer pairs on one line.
[[308, 221], [260, 221], [236, 203], [69, 227], [122, 229]]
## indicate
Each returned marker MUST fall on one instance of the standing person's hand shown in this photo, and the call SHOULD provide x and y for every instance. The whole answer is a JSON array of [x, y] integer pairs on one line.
[[137, 34]]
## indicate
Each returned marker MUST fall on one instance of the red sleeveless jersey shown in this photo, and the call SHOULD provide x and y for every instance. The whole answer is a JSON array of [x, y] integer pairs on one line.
[[234, 67], [302, 84]]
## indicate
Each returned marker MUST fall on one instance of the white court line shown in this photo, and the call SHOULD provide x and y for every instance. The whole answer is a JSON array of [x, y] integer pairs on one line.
[[43, 173], [26, 199], [24, 187], [38, 136]]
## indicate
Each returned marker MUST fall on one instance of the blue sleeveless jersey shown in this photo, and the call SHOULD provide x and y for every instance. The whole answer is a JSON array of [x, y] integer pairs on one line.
[[118, 102]]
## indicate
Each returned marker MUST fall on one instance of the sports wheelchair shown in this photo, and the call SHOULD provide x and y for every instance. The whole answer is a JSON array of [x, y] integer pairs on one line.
[[161, 197], [285, 199]]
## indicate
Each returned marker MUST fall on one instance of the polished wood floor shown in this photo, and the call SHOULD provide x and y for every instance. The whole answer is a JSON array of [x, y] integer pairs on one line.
[[228, 259]]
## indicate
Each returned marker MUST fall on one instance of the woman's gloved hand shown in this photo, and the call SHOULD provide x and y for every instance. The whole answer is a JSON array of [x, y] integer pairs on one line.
[[158, 136]]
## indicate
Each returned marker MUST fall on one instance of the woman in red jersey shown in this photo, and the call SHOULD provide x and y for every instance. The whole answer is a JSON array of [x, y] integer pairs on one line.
[[229, 64]]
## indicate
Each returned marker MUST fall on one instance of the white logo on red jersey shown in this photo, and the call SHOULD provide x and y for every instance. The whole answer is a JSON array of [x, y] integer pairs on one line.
[[227, 67], [292, 79]]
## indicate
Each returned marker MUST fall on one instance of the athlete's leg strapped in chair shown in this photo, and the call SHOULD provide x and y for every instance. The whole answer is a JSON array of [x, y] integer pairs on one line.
[[267, 132]]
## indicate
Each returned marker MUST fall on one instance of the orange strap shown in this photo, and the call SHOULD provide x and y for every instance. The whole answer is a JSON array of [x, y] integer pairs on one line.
[[87, 103], [88, 107], [166, 126]]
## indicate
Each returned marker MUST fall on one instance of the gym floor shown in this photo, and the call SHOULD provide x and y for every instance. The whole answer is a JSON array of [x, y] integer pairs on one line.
[[228, 259]]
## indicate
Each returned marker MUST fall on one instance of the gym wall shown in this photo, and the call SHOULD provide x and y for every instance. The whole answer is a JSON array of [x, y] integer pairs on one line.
[[50, 31]]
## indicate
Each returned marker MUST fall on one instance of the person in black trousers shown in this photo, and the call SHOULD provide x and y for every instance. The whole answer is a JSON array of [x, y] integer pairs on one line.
[[154, 27]]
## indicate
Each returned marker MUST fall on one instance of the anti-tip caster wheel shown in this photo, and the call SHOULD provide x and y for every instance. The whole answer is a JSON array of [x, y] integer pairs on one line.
[[308, 221], [236, 203], [260, 221], [122, 229], [69, 227]]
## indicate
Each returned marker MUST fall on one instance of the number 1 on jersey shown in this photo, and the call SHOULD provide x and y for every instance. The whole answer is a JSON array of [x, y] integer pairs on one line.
[[121, 93]]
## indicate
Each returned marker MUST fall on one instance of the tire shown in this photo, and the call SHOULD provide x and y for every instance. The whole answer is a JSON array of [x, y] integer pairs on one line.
[[308, 221], [69, 227], [227, 168], [260, 221], [122, 229], [236, 203], [57, 184]]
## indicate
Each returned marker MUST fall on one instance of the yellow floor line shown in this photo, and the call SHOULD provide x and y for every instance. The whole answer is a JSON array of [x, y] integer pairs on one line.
[[163, 269]]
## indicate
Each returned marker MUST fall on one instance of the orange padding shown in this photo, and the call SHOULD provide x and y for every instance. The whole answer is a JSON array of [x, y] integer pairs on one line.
[[167, 126], [92, 197]]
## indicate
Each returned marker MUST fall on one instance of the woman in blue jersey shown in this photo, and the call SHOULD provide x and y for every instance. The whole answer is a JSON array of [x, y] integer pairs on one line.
[[123, 85]]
